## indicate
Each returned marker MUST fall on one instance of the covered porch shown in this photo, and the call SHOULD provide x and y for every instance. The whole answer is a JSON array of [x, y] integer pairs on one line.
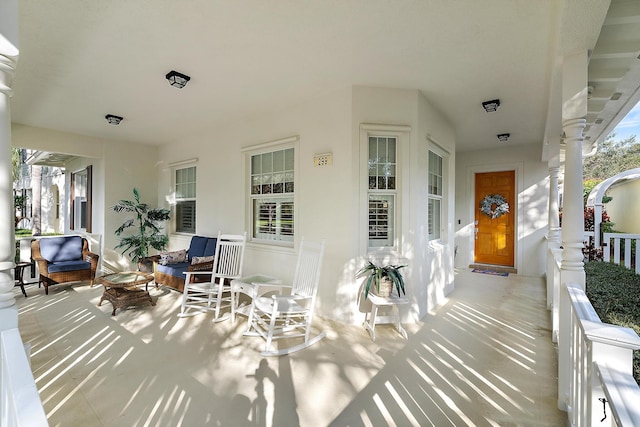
[[480, 348], [485, 358]]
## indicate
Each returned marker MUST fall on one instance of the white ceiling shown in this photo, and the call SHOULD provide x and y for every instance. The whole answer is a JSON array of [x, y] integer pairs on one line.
[[83, 59]]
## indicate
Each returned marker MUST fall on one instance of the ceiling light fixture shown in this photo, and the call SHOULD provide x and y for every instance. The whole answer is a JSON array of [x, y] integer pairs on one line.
[[503, 137], [113, 120], [177, 79], [491, 106]]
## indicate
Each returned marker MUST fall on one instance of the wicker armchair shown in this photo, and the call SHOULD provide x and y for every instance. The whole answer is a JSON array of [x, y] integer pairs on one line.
[[173, 276], [176, 282], [63, 259]]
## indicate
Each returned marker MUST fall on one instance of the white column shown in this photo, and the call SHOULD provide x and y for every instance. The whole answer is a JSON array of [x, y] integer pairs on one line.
[[8, 59], [553, 248], [573, 210], [597, 222], [574, 111], [554, 211]]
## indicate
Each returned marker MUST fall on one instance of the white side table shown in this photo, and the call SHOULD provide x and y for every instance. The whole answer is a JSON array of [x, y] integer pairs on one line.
[[376, 301], [249, 286]]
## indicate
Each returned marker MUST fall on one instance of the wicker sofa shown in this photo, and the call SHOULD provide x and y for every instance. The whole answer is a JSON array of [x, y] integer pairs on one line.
[[63, 259], [172, 275]]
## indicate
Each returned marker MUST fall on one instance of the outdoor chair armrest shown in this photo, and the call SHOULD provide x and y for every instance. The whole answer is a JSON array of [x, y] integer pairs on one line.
[[92, 258], [153, 258], [43, 264], [202, 266], [287, 297]]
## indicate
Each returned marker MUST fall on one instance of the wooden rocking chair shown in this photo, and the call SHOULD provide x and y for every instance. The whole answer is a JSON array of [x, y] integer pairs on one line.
[[289, 316]]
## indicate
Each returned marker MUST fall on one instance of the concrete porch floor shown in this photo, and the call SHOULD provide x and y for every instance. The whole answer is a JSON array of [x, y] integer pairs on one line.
[[484, 359]]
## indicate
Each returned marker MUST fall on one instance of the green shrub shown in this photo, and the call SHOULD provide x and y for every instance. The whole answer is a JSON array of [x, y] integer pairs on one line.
[[614, 292], [20, 232]]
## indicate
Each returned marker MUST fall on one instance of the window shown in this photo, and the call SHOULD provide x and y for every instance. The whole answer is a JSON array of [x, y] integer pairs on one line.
[[185, 188], [81, 200], [382, 190], [435, 196], [272, 195]]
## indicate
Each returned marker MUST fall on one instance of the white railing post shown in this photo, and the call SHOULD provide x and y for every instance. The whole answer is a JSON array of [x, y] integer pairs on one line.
[[565, 338], [554, 258], [20, 401], [595, 362], [611, 350], [613, 244]]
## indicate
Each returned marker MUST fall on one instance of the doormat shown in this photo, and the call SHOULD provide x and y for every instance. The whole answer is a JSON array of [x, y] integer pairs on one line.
[[492, 272]]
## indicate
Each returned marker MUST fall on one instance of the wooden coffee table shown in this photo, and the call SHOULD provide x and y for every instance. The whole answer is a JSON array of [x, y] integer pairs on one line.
[[121, 289]]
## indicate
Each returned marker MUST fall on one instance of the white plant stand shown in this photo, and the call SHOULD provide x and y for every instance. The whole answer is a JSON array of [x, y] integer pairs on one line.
[[370, 319]]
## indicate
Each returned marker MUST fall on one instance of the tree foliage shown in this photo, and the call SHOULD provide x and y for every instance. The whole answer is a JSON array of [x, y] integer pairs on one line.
[[613, 156], [16, 162]]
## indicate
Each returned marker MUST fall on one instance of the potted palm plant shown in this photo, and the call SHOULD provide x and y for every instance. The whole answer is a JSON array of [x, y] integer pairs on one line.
[[385, 278], [146, 222]]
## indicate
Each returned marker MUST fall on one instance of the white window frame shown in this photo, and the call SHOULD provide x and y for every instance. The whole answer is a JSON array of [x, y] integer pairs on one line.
[[393, 196], [189, 198], [444, 155], [80, 200], [437, 198], [382, 199], [280, 199]]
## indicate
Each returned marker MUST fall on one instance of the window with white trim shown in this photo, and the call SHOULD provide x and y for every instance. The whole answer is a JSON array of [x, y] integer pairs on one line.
[[80, 200], [435, 196], [185, 197], [272, 195], [382, 190]]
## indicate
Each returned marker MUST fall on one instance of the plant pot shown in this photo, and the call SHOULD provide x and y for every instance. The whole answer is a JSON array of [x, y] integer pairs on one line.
[[384, 288], [145, 266]]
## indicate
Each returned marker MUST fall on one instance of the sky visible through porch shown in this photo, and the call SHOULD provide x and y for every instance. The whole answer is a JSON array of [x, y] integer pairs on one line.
[[630, 125]]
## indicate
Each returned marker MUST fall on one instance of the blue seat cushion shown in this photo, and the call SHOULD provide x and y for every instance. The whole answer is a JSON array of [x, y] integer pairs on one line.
[[196, 248], [176, 270], [62, 266], [66, 248], [210, 249], [201, 246]]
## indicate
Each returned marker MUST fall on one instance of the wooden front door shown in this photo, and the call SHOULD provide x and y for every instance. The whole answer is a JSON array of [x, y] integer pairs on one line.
[[495, 231]]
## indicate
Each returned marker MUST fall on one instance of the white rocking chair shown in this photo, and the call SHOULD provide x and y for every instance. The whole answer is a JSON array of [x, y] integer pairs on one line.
[[227, 265], [289, 316]]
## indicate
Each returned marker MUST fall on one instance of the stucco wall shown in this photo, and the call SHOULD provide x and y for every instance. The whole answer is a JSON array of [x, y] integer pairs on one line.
[[624, 208], [324, 204], [329, 199], [532, 210]]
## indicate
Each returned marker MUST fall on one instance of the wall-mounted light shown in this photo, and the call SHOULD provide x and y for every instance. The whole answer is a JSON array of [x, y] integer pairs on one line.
[[503, 137], [113, 120], [177, 79], [491, 106]]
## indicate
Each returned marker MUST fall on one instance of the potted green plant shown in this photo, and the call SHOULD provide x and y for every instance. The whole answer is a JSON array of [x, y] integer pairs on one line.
[[148, 233], [385, 278]]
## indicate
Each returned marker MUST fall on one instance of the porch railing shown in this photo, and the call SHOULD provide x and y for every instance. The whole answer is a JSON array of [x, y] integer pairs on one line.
[[595, 376], [622, 248], [20, 404]]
